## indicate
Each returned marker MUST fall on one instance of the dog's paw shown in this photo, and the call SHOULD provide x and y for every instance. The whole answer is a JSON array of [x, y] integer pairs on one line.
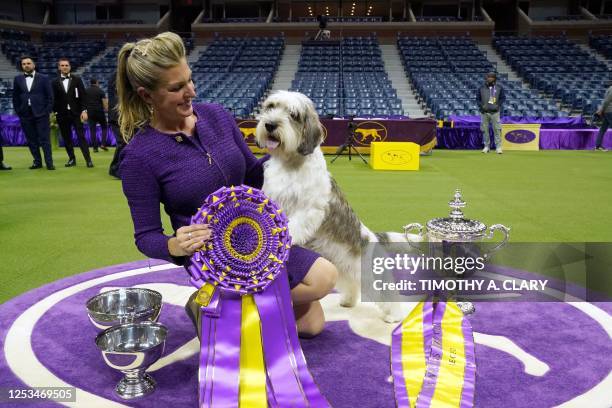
[[391, 312], [348, 300], [391, 317]]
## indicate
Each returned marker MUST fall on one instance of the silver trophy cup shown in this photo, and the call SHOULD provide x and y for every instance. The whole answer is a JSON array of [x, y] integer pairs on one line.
[[125, 305], [132, 348], [443, 233]]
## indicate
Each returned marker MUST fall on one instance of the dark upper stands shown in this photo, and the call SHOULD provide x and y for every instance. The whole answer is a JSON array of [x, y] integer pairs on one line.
[[111, 21], [346, 78], [557, 67], [243, 20], [603, 44], [438, 19], [344, 19], [571, 17], [13, 35]]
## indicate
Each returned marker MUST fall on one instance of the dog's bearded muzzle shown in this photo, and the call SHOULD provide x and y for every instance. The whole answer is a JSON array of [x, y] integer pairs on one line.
[[271, 140]]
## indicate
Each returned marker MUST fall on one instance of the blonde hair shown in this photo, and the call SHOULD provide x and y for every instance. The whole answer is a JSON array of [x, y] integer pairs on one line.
[[141, 64]]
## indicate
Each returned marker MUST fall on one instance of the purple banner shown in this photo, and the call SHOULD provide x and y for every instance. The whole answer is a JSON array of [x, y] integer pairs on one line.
[[420, 131], [465, 138], [12, 135], [572, 139], [564, 123]]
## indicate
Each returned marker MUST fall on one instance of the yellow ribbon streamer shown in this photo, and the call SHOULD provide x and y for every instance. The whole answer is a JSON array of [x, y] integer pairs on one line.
[[252, 368], [205, 294], [413, 353], [452, 364]]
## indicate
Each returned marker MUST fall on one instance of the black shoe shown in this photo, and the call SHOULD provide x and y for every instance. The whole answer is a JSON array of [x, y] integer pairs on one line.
[[71, 163], [104, 148], [95, 149], [90, 164], [51, 167], [4, 166], [35, 166]]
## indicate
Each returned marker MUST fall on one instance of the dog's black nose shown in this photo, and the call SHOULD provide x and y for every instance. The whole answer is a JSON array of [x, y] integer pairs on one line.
[[270, 127]]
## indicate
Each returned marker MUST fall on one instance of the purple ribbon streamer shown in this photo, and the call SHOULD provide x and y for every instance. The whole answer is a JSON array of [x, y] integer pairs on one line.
[[207, 356], [469, 376], [399, 381], [222, 356], [283, 294], [290, 381]]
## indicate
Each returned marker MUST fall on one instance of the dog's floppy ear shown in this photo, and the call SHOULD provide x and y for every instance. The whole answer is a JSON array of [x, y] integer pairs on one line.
[[313, 133]]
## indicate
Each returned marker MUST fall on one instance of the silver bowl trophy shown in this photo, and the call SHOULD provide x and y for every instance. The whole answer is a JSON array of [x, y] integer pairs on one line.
[[132, 348], [456, 229], [124, 305], [131, 340]]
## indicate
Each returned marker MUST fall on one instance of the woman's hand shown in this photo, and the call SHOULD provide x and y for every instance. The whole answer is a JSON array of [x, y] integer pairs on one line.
[[189, 239]]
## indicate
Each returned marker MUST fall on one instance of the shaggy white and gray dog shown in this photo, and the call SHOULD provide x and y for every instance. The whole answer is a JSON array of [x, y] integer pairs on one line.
[[296, 177]]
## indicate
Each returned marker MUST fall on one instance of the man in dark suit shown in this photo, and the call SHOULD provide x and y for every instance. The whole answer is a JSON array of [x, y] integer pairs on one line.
[[96, 104], [33, 101], [70, 110]]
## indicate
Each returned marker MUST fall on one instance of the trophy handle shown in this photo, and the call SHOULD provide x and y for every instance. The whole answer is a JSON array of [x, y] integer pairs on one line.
[[408, 228], [502, 228]]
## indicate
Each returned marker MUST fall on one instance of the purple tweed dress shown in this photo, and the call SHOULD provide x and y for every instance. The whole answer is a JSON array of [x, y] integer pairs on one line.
[[180, 172]]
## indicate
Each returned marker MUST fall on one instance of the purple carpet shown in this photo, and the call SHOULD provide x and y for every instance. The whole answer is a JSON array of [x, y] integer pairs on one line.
[[351, 371]]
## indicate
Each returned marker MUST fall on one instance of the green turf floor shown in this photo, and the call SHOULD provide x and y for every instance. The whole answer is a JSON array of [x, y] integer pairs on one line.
[[59, 223]]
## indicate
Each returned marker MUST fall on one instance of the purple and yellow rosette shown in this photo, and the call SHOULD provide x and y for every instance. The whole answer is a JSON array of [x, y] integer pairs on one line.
[[250, 355], [432, 357]]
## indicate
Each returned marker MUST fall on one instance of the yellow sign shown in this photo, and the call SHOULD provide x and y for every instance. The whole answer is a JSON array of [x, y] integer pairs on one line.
[[394, 155], [521, 137]]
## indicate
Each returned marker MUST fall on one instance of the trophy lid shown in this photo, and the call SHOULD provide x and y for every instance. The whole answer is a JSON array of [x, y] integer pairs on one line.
[[456, 227]]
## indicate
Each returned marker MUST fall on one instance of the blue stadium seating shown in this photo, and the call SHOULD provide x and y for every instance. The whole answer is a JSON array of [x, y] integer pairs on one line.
[[106, 65], [346, 78], [558, 67], [237, 72], [447, 72], [47, 53]]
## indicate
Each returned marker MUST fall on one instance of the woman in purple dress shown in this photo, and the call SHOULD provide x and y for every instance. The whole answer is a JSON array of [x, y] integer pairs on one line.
[[178, 153]]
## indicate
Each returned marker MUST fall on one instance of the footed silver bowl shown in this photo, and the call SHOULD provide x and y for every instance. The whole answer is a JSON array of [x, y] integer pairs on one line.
[[132, 348], [124, 305]]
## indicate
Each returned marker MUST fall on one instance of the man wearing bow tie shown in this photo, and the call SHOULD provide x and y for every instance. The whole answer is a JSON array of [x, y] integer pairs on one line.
[[33, 101], [70, 110]]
